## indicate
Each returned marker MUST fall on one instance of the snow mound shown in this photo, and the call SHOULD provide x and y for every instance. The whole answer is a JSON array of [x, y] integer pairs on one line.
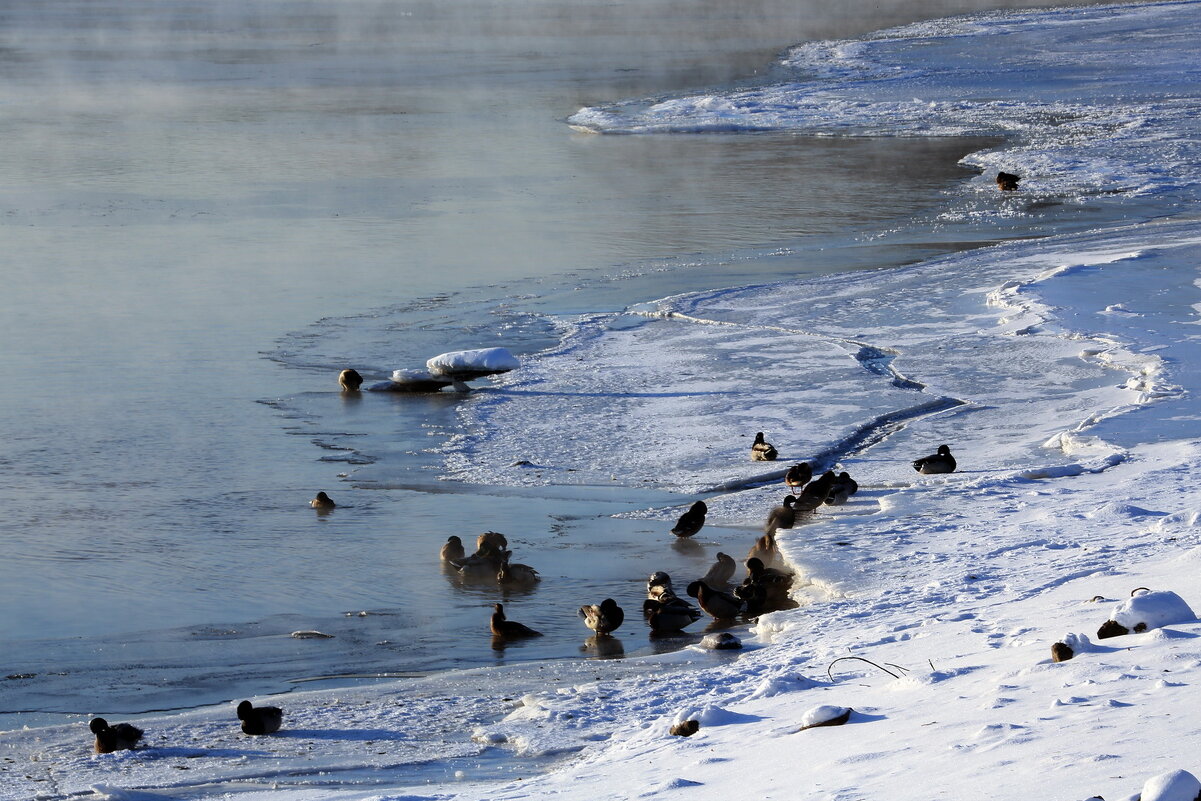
[[1150, 610], [1175, 785], [464, 363]]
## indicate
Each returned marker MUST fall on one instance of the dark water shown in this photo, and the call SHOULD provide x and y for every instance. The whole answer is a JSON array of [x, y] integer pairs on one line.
[[211, 208]]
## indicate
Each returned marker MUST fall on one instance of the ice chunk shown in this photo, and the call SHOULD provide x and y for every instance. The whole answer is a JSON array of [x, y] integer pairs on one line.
[[466, 364]]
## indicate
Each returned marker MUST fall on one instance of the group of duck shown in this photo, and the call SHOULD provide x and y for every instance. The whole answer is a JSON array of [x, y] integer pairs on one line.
[[125, 736], [765, 587]]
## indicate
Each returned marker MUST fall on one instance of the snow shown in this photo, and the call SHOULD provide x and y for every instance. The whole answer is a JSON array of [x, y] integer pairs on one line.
[[1064, 373], [483, 360], [1151, 610]]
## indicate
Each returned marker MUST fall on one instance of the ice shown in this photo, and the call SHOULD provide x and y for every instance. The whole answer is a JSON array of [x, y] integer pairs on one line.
[[482, 361]]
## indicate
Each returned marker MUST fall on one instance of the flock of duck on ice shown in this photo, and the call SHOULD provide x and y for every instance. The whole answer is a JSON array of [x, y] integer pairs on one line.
[[765, 587]]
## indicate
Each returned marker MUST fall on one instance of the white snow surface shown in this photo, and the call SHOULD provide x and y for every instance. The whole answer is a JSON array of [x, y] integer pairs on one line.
[[1063, 373], [494, 360]]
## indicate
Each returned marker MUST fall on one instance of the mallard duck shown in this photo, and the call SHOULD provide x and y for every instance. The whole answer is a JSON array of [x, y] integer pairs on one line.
[[783, 516], [516, 573], [350, 380], [691, 521], [815, 492], [798, 476], [843, 488], [122, 737], [1007, 181], [671, 614], [322, 501], [762, 450], [453, 549], [939, 462], [719, 605], [765, 550], [603, 618], [722, 571], [259, 719], [659, 585], [509, 629], [481, 564], [764, 589]]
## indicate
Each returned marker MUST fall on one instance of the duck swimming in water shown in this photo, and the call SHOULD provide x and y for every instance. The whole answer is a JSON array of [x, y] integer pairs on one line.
[[323, 502], [516, 573], [350, 380], [722, 571], [671, 614], [762, 450], [259, 719], [717, 604], [603, 618], [691, 521], [122, 737], [764, 589], [1007, 181], [939, 462], [453, 549], [509, 629]]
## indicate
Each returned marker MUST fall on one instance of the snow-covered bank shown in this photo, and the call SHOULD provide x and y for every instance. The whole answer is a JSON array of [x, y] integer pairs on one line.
[[957, 583]]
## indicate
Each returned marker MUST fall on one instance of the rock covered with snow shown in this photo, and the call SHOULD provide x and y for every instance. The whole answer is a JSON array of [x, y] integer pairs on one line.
[[467, 364], [721, 641], [825, 715], [1175, 785], [1152, 609]]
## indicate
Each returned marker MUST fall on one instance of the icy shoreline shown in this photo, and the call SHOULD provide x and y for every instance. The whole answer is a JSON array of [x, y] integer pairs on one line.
[[1068, 369], [962, 580]]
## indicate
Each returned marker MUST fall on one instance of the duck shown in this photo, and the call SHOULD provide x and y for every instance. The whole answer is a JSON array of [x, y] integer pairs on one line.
[[603, 618], [322, 501], [1007, 181], [764, 589], [762, 450], [844, 487], [122, 737], [717, 604], [815, 492], [491, 540], [509, 629], [259, 719], [691, 521], [783, 516], [350, 380], [671, 614], [940, 461], [516, 573], [481, 564], [660, 595], [765, 550], [453, 550], [489, 556], [722, 571], [798, 476]]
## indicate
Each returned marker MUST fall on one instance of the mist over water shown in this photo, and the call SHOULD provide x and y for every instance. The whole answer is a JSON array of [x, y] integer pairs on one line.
[[210, 208]]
